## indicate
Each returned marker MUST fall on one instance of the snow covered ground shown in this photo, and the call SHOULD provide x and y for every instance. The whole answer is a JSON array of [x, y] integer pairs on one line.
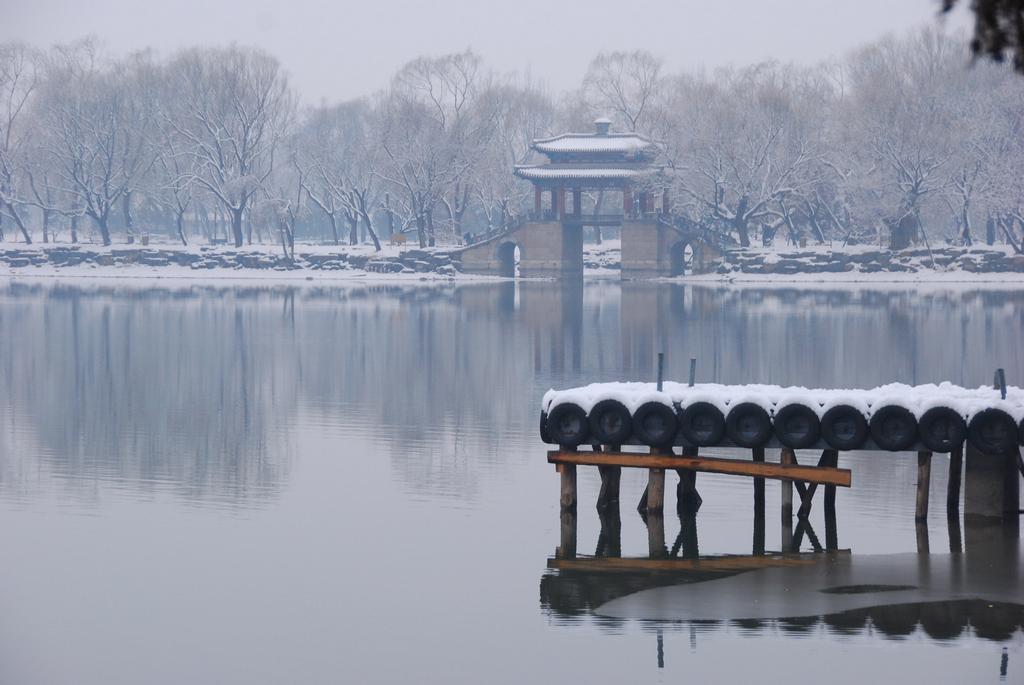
[[995, 267], [251, 263]]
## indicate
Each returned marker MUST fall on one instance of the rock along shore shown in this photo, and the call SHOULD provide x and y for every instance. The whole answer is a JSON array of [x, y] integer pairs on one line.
[[410, 261]]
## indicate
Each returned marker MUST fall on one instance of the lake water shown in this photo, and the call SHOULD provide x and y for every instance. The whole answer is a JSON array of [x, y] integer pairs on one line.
[[346, 484]]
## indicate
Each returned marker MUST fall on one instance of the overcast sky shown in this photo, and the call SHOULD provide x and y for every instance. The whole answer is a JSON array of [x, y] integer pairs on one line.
[[341, 49]]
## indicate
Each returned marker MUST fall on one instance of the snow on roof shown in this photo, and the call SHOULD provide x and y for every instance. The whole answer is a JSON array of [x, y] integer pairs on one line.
[[621, 143], [550, 172]]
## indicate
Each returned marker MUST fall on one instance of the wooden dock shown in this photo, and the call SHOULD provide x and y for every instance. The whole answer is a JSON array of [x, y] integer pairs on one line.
[[1000, 490]]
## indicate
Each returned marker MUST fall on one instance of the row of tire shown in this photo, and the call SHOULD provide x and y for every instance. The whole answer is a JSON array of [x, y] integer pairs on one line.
[[748, 424]]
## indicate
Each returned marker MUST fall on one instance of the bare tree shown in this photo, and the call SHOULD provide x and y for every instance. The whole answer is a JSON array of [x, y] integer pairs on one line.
[[337, 156], [99, 125], [744, 143], [433, 133], [624, 85], [235, 107], [521, 113], [19, 79]]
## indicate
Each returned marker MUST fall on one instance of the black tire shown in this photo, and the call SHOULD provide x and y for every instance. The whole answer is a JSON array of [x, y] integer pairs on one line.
[[567, 425], [703, 424], [610, 423], [797, 426], [844, 428], [942, 429], [748, 425], [893, 428], [992, 431], [655, 424], [544, 437]]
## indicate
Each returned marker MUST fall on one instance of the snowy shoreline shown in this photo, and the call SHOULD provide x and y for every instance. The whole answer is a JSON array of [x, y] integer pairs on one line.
[[354, 264]]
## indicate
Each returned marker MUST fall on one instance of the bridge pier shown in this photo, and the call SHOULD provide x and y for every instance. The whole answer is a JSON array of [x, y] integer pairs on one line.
[[547, 249], [554, 249], [645, 249]]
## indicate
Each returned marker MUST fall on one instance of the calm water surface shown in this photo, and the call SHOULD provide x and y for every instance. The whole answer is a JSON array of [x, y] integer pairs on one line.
[[267, 485]]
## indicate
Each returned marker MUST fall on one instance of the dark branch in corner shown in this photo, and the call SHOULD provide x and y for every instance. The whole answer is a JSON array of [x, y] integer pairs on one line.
[[998, 29]]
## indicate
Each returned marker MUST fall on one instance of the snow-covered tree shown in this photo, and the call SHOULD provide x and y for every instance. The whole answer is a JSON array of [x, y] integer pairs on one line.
[[337, 156], [745, 143], [624, 86], [99, 120], [234, 108]]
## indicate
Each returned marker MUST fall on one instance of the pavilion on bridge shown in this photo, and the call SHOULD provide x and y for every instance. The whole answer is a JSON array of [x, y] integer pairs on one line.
[[593, 168], [598, 161]]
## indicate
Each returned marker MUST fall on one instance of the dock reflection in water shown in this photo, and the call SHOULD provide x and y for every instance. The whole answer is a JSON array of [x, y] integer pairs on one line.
[[973, 593]]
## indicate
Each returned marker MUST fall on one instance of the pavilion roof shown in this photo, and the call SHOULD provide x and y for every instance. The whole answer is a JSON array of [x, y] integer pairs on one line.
[[597, 143], [576, 172]]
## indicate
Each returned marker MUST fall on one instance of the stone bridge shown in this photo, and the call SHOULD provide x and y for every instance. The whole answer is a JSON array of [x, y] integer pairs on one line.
[[596, 169], [651, 248]]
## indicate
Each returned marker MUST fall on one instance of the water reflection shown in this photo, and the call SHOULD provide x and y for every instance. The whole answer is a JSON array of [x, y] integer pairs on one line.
[[973, 592], [201, 390], [572, 593]]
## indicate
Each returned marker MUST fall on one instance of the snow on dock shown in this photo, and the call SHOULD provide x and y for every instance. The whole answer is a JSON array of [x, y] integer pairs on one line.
[[891, 417]]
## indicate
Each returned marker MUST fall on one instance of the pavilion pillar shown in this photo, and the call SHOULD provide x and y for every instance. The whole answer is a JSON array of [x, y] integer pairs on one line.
[[577, 202], [554, 201], [538, 201], [627, 201], [664, 201], [560, 196]]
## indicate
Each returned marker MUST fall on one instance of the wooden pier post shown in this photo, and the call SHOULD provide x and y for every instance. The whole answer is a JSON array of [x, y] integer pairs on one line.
[[609, 540], [831, 529], [956, 469], [656, 490], [567, 536], [924, 478], [686, 542], [687, 496], [656, 534], [921, 529], [758, 456], [956, 544], [609, 493], [829, 457], [787, 457], [655, 493], [567, 500]]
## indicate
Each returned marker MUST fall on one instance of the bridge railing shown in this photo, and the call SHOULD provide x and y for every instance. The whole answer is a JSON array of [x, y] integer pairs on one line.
[[509, 226]]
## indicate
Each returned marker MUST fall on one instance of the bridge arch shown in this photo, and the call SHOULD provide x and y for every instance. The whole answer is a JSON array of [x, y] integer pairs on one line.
[[508, 255], [683, 257]]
